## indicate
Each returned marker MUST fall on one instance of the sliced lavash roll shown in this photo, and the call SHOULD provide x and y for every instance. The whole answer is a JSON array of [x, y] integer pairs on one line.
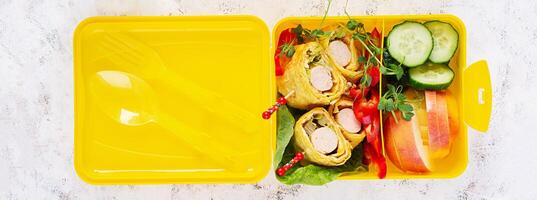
[[345, 119], [316, 133], [310, 83], [341, 49]]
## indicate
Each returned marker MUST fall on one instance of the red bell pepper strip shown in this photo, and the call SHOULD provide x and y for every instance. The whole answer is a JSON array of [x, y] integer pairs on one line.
[[375, 143], [375, 35], [278, 65], [366, 112], [357, 93], [286, 36], [373, 149], [373, 129], [380, 163], [374, 72]]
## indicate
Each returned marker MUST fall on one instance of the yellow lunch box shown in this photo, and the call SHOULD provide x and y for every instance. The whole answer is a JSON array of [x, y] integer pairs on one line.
[[179, 99]]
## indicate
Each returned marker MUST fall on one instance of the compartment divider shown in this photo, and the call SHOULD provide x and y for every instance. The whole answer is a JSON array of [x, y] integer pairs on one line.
[[380, 90]]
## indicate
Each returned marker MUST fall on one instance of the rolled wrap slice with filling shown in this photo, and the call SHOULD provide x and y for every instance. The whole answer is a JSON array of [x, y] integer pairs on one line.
[[311, 75], [340, 48], [351, 128], [318, 135]]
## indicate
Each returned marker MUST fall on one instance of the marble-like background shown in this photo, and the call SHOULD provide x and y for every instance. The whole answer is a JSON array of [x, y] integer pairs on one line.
[[36, 100]]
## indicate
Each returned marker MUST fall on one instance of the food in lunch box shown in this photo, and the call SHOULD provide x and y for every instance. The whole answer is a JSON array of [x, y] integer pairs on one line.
[[446, 40], [412, 145], [443, 122], [330, 77], [340, 47], [342, 111], [437, 123], [403, 144], [333, 67], [317, 134], [410, 43], [431, 76], [312, 77], [430, 118]]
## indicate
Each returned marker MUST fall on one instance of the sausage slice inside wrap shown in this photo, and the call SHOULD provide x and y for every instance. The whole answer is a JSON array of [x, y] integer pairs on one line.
[[342, 112], [342, 52], [318, 135], [312, 76]]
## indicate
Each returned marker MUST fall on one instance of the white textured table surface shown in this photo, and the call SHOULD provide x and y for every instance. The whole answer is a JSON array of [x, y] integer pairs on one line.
[[36, 101]]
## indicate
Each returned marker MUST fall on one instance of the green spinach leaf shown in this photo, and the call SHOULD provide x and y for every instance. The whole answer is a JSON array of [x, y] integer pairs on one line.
[[309, 175], [312, 174], [286, 121]]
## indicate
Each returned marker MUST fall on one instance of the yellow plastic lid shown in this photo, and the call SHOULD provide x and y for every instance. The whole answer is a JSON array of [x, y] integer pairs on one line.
[[172, 100]]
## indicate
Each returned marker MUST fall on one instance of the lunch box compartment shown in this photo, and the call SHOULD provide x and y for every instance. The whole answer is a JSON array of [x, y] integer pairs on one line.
[[144, 86], [456, 161]]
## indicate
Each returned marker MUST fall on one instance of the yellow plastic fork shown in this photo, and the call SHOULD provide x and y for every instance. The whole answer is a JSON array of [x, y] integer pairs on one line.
[[126, 50]]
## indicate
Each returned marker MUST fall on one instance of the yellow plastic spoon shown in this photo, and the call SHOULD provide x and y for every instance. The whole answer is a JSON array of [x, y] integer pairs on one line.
[[131, 101]]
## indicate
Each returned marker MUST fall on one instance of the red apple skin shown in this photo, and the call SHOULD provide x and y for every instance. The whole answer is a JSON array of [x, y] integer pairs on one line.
[[438, 123], [404, 145]]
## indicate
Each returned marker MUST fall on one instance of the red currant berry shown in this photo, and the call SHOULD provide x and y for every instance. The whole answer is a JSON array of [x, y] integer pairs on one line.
[[280, 172], [299, 156], [266, 115], [282, 100]]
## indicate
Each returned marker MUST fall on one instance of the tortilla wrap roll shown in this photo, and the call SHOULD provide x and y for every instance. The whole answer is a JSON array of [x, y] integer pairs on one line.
[[317, 134], [350, 127], [311, 75], [341, 49]]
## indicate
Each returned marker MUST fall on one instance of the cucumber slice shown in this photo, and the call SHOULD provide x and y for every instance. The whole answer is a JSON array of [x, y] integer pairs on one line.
[[446, 40], [431, 76], [410, 43]]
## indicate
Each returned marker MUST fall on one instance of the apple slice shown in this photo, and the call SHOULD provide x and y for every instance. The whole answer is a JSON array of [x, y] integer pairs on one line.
[[453, 116], [438, 123], [404, 145]]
